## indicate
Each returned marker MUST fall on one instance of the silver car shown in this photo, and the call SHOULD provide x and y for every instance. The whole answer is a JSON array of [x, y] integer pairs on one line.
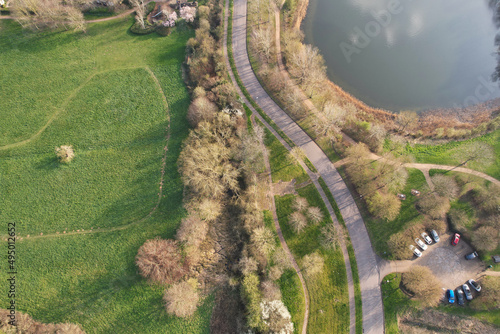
[[421, 244], [435, 236], [468, 294]]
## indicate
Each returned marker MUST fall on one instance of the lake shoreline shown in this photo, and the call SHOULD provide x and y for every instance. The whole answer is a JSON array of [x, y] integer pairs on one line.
[[463, 118]]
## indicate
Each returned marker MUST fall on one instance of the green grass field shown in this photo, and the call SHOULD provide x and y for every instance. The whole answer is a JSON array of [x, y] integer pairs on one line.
[[380, 230], [101, 92], [329, 300], [443, 154], [395, 302]]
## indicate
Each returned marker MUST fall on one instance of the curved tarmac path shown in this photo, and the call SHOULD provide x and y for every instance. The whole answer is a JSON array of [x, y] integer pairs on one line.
[[373, 313]]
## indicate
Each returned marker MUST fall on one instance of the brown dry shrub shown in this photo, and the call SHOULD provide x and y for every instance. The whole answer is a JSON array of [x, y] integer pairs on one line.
[[181, 299], [201, 109], [423, 284], [485, 238], [65, 153], [160, 261], [27, 325], [433, 205], [270, 290]]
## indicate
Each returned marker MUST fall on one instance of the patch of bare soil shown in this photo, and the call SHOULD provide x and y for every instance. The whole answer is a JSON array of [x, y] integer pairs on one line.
[[432, 321]]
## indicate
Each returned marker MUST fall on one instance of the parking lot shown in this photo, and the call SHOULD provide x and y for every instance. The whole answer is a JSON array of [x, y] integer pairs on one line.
[[448, 262]]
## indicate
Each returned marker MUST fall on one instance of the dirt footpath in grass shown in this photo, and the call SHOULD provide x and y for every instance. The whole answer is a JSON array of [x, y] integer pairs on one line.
[[448, 262]]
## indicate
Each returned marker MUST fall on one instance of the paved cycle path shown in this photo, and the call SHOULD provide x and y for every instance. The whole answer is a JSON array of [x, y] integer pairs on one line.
[[373, 313]]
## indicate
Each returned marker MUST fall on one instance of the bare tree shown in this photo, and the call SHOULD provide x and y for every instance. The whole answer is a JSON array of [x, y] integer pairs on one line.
[[262, 40], [300, 204], [445, 186], [140, 11], [485, 238], [65, 153], [270, 290], [192, 231], [330, 238], [281, 259], [201, 109], [275, 273], [313, 264], [160, 261], [303, 60], [247, 265], [475, 154], [399, 247], [182, 298], [315, 214], [406, 120], [459, 220], [264, 240], [385, 206], [434, 205], [298, 222], [48, 14], [426, 287]]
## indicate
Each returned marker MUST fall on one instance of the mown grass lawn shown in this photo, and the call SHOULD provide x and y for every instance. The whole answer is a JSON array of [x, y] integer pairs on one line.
[[444, 154], [395, 302], [105, 103], [329, 299], [381, 230]]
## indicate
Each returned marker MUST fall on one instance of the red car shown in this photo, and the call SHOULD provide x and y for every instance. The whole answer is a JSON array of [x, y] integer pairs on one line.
[[456, 239]]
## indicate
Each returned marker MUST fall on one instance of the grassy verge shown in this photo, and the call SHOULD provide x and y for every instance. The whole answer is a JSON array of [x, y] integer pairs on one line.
[[329, 312], [352, 259], [395, 302], [111, 109], [444, 154], [283, 167]]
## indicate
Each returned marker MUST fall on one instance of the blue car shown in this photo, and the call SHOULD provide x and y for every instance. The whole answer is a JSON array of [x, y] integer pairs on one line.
[[451, 296]]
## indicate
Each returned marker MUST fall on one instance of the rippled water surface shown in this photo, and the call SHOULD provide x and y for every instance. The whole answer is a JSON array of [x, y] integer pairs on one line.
[[407, 54]]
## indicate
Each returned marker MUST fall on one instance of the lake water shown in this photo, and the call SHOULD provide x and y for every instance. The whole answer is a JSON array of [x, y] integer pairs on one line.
[[407, 54]]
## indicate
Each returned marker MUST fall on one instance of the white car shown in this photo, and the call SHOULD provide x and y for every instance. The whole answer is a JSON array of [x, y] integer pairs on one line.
[[415, 251], [421, 244], [426, 238]]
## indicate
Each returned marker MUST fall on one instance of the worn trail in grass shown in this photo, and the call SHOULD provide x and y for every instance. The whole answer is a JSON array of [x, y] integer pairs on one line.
[[106, 93]]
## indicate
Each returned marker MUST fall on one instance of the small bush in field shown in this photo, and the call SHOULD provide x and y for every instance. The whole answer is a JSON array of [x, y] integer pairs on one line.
[[65, 153], [300, 204], [313, 264], [298, 222], [485, 238], [314, 214]]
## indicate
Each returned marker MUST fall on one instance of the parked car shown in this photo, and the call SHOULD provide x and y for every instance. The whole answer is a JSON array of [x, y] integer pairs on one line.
[[451, 296], [475, 285], [460, 296], [421, 244], [435, 236], [456, 239], [467, 292], [426, 238], [415, 251], [471, 256]]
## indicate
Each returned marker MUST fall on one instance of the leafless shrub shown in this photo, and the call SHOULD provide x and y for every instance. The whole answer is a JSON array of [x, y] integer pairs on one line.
[[275, 273], [485, 238], [426, 287], [315, 214], [298, 222], [263, 239], [201, 109], [65, 153], [160, 261], [329, 237], [459, 220], [313, 264], [399, 247], [181, 299], [247, 265], [445, 186], [434, 205], [270, 290], [300, 204], [192, 231], [281, 259]]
